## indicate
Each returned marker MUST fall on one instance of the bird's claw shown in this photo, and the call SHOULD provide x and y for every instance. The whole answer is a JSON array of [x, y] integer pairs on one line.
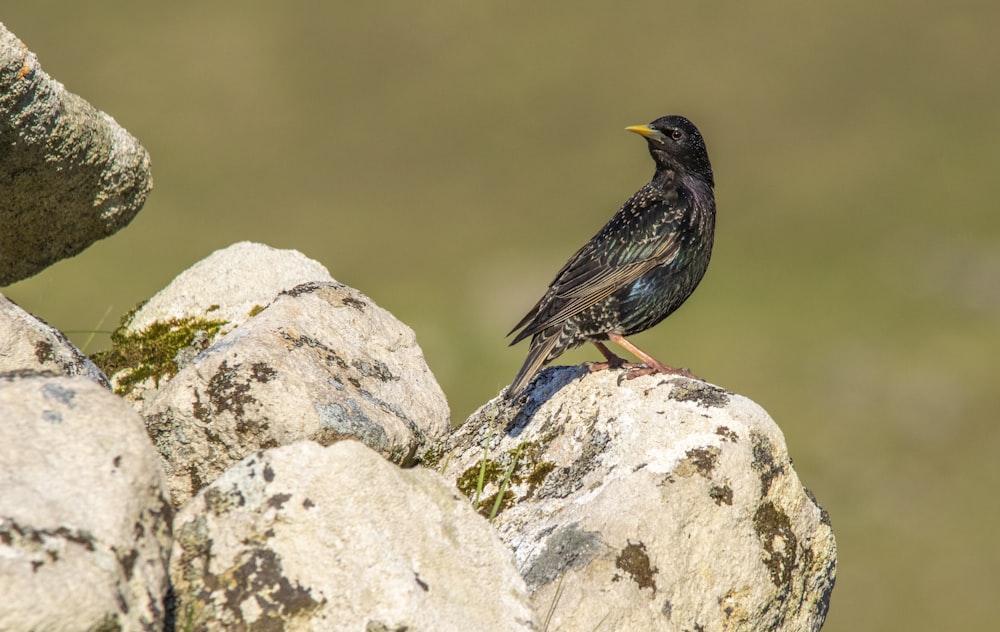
[[593, 367]]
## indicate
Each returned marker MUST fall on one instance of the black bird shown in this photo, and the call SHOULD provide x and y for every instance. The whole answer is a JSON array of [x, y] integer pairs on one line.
[[636, 270]]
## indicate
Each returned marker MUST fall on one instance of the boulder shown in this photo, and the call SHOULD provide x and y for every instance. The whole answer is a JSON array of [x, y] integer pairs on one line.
[[656, 503], [69, 174], [209, 299], [230, 285], [84, 516], [305, 537], [322, 362], [253, 348], [28, 343]]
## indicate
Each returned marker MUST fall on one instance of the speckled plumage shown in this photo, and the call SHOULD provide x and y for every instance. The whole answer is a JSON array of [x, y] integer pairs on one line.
[[640, 267]]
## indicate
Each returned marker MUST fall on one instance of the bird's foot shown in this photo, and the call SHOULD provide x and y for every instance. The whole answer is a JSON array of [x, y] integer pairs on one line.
[[618, 363], [645, 369], [632, 370], [611, 361]]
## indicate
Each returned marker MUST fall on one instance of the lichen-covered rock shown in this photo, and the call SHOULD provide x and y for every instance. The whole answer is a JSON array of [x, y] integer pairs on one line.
[[84, 517], [321, 362], [230, 285], [304, 537], [209, 299], [69, 174], [654, 504], [27, 343]]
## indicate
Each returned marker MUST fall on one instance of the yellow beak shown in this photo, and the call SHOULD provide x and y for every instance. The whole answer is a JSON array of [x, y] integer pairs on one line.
[[643, 130]]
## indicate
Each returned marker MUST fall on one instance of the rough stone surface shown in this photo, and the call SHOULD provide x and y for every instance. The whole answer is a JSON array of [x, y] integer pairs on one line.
[[84, 519], [654, 504], [206, 301], [304, 537], [211, 298], [321, 362], [29, 343], [69, 174], [228, 285]]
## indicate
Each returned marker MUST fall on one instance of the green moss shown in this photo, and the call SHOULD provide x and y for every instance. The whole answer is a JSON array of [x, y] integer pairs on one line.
[[469, 480], [152, 352], [537, 476], [431, 459], [485, 508], [256, 309]]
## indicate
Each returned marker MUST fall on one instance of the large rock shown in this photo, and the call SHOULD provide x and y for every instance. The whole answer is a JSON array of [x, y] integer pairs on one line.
[[654, 504], [310, 538], [28, 343], [69, 174], [206, 301], [321, 362], [229, 285], [254, 348], [84, 517]]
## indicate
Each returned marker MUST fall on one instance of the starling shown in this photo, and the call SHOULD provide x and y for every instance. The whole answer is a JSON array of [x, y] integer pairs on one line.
[[639, 268]]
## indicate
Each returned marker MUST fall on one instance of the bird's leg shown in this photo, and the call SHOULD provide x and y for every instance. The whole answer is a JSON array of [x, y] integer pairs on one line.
[[652, 365], [611, 361]]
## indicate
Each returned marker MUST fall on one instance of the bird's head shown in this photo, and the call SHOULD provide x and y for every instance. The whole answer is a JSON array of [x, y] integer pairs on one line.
[[675, 143]]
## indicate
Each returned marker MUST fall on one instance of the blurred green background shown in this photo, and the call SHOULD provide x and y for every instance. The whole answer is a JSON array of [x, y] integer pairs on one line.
[[447, 157]]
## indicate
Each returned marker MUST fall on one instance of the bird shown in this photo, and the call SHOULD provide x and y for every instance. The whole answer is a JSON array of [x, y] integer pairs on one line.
[[638, 269]]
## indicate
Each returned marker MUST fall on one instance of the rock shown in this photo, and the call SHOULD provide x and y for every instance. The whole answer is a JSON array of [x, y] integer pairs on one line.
[[29, 343], [69, 174], [254, 348], [209, 299], [84, 519], [310, 538], [656, 504], [321, 362], [229, 285]]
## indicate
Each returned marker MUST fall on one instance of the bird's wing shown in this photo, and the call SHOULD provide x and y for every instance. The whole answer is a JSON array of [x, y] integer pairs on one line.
[[607, 263]]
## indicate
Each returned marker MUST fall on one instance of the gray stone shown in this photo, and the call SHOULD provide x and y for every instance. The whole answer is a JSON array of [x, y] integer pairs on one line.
[[655, 504], [69, 174], [28, 343], [84, 517], [304, 537], [206, 301], [229, 285], [320, 362]]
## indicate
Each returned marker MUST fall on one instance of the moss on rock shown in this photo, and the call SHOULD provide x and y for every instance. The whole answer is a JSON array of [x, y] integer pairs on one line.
[[152, 353]]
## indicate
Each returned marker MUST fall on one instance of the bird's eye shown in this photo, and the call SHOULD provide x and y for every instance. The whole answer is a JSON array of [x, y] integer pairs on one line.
[[676, 134]]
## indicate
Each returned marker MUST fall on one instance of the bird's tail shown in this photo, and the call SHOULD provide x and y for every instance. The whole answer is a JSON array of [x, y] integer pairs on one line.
[[545, 345]]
